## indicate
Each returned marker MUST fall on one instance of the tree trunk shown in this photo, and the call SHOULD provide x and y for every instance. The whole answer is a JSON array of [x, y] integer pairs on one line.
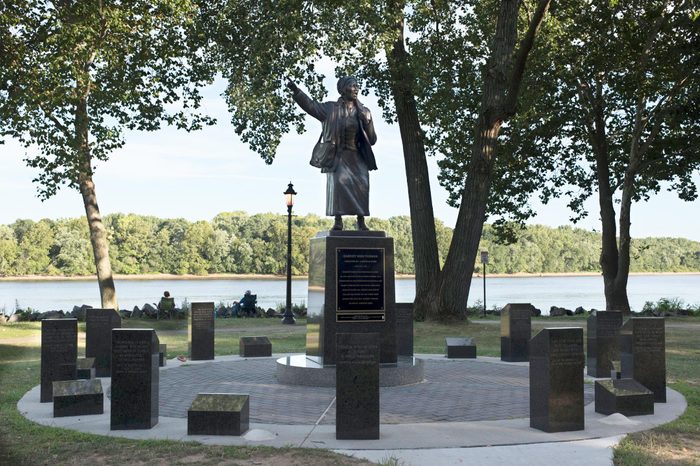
[[425, 250], [459, 265], [98, 233]]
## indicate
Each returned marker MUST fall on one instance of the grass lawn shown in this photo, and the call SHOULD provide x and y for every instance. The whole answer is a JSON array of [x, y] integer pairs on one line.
[[22, 442]]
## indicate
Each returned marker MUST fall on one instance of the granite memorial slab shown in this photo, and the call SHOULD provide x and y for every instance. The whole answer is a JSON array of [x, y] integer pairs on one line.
[[252, 347], [643, 353], [357, 386], [59, 353], [404, 329], [460, 348], [162, 354], [201, 330], [98, 338], [516, 332], [85, 368], [556, 380], [135, 379], [624, 396], [77, 397], [351, 290], [218, 414], [602, 339]]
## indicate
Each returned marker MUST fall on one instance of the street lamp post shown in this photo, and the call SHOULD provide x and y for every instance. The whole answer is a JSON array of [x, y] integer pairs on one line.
[[484, 261], [289, 197]]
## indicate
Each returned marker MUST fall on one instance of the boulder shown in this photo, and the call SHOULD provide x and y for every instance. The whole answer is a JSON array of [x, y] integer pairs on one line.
[[580, 310], [13, 318], [149, 310], [136, 313], [270, 312], [79, 312], [555, 311], [51, 315], [124, 313]]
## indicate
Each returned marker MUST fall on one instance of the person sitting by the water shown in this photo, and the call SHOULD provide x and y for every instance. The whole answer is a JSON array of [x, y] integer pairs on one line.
[[247, 304], [166, 305]]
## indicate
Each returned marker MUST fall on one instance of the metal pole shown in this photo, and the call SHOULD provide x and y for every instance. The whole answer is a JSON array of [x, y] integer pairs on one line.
[[288, 314], [484, 289]]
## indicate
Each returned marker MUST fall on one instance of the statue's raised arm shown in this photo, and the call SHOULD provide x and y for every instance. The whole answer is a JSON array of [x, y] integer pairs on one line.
[[344, 149]]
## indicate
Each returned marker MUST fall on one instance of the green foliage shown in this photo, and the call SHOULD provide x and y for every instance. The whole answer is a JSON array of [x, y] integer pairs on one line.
[[235, 242], [670, 306], [74, 75]]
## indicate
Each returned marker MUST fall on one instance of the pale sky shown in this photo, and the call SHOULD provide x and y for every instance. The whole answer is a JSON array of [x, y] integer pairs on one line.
[[197, 175]]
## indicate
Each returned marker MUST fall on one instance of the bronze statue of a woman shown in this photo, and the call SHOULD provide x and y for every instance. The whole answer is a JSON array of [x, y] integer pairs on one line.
[[344, 150]]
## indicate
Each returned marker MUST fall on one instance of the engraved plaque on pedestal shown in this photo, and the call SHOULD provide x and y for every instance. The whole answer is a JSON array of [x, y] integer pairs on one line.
[[351, 290]]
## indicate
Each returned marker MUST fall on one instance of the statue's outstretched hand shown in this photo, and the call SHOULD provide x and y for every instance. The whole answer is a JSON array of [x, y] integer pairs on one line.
[[291, 85]]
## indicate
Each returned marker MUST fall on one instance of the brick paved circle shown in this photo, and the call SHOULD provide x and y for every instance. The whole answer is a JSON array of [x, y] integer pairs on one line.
[[453, 391]]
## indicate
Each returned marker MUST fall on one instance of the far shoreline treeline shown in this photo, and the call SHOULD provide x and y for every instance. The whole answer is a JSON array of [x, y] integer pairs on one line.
[[239, 245]]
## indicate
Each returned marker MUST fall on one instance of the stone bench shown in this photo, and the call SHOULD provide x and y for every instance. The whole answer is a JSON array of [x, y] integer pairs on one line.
[[77, 397], [218, 414], [460, 348], [250, 347]]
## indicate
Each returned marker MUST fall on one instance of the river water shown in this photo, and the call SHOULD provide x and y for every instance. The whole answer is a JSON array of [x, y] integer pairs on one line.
[[544, 292]]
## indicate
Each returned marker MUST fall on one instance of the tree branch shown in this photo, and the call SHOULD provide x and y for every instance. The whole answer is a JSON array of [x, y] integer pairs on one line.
[[63, 128], [521, 55]]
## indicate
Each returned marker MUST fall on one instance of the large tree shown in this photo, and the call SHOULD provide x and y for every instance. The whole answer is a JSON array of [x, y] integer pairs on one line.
[[256, 47], [76, 74], [621, 117]]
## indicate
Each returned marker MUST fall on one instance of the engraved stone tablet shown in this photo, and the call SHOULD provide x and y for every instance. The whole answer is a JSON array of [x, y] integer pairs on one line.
[[134, 379], [515, 331], [624, 396], [643, 353], [162, 354], [201, 331], [218, 414], [460, 348], [357, 386], [250, 347], [59, 353], [556, 380], [602, 348], [98, 338], [404, 329], [77, 398]]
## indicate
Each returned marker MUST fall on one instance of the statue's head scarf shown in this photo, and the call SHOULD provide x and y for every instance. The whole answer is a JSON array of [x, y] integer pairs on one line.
[[344, 81]]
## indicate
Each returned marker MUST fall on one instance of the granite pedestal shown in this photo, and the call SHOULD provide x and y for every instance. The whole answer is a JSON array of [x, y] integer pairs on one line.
[[77, 398], [218, 414], [85, 368], [515, 331], [98, 338], [460, 348], [59, 353], [201, 331], [251, 347], [643, 353], [351, 290], [624, 396], [556, 380], [135, 379], [602, 339], [357, 386], [404, 329]]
